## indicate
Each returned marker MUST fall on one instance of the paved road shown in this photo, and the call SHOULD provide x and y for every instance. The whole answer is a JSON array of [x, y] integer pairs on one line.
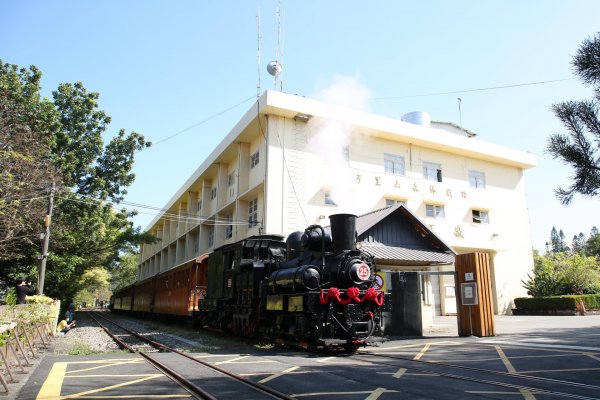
[[530, 358]]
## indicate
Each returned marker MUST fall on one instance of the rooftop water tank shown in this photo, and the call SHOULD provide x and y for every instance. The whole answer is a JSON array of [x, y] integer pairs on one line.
[[417, 118]]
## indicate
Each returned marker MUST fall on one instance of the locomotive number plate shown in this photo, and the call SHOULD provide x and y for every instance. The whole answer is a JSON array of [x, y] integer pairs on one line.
[[364, 272]]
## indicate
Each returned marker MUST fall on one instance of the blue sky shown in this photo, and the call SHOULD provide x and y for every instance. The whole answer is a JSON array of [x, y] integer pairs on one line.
[[163, 66]]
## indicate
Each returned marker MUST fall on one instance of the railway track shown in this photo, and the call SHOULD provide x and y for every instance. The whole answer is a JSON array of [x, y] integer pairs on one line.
[[510, 383], [183, 368], [514, 381]]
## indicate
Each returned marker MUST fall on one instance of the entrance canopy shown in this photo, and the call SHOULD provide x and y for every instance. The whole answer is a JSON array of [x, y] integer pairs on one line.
[[395, 236]]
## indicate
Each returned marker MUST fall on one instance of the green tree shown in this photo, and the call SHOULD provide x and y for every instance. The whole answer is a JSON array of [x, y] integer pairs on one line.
[[578, 244], [557, 241], [25, 167], [579, 147], [544, 281], [91, 176], [577, 273], [592, 245], [563, 273], [125, 271]]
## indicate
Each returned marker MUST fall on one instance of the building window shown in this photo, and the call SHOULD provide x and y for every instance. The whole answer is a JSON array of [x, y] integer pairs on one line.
[[477, 179], [329, 200], [393, 164], [391, 202], [229, 227], [213, 193], [346, 153], [253, 213], [199, 205], [434, 211], [231, 179], [432, 171], [254, 159], [211, 236], [481, 217]]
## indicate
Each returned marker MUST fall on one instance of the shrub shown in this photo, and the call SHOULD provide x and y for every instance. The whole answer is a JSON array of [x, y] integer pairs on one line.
[[568, 302]]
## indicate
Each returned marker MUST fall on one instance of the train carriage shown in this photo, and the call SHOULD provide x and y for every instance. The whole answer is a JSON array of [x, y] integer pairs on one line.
[[143, 301], [179, 290], [123, 299]]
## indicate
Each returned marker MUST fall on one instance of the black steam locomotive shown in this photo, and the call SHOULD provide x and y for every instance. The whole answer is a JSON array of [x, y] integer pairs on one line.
[[315, 289]]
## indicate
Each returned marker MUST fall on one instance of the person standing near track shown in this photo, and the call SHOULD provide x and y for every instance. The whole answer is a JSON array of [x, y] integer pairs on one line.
[[70, 313], [23, 289]]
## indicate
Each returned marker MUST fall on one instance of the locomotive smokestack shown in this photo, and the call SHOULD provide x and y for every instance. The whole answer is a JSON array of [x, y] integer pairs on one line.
[[343, 232]]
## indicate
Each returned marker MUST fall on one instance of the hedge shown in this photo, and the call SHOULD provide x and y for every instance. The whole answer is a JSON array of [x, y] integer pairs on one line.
[[568, 302]]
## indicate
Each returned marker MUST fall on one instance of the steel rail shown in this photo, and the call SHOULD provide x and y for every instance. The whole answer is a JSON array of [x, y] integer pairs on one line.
[[258, 386], [195, 390], [489, 371], [485, 381]]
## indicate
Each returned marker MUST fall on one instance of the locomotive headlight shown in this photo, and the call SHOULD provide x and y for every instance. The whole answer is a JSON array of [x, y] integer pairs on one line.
[[363, 272], [358, 272]]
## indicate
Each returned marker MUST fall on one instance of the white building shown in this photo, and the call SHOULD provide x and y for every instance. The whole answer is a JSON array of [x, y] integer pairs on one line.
[[291, 162]]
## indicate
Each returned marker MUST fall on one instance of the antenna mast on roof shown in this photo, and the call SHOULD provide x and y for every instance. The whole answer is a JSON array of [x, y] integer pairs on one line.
[[460, 113], [258, 37], [274, 67]]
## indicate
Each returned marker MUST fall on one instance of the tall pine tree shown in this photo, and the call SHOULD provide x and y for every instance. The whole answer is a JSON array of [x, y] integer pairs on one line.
[[579, 147]]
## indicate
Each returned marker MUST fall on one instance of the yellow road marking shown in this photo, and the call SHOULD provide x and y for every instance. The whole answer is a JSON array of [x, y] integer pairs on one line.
[[267, 379], [420, 354], [249, 362], [109, 364], [527, 395], [378, 390], [105, 361], [505, 361], [230, 361], [444, 343], [267, 373], [219, 355], [409, 373], [451, 360], [322, 360], [78, 395], [376, 393], [51, 388], [137, 396], [400, 372], [105, 376], [569, 352]]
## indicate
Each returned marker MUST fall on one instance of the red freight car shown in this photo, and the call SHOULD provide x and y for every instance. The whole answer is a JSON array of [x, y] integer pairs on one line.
[[179, 290]]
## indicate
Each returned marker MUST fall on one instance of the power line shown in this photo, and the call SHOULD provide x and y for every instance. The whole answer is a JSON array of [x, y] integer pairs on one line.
[[204, 120], [165, 215], [474, 90]]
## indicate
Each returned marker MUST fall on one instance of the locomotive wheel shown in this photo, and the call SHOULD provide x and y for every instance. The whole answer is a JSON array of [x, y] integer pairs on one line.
[[351, 348]]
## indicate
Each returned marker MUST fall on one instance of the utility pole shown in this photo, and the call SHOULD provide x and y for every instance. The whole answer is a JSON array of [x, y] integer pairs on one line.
[[46, 238]]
